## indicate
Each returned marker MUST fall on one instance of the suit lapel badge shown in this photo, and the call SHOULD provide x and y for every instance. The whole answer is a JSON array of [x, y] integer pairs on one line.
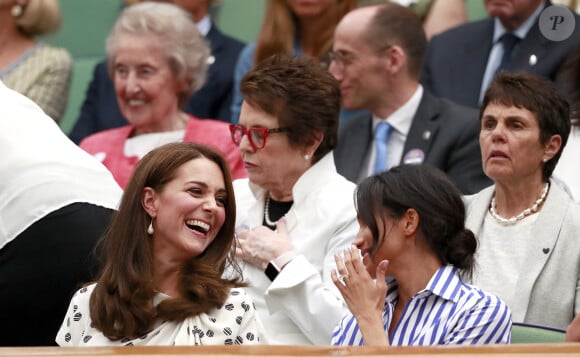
[[414, 157]]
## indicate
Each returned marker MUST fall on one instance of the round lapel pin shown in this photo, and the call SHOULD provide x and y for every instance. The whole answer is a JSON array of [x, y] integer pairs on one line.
[[414, 157]]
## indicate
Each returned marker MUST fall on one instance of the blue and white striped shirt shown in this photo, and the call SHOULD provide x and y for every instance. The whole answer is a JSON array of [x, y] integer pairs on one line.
[[446, 312]]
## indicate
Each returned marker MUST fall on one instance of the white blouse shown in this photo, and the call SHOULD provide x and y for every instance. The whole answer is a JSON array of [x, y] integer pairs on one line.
[[566, 172], [235, 322]]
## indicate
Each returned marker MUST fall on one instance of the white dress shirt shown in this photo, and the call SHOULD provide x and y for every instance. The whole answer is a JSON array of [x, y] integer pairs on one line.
[[204, 25], [496, 53], [400, 122], [446, 312]]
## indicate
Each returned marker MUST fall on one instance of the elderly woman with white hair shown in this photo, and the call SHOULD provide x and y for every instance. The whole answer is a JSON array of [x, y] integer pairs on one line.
[[157, 58]]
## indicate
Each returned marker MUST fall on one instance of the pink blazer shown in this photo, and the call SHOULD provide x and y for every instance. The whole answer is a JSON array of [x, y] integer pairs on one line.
[[108, 147]]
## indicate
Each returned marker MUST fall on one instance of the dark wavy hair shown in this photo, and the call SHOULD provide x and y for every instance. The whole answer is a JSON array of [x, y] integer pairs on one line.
[[437, 201], [122, 302]]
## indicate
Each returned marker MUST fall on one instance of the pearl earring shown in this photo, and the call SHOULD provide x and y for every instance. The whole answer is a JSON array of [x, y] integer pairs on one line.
[[17, 10], [150, 229], [306, 157]]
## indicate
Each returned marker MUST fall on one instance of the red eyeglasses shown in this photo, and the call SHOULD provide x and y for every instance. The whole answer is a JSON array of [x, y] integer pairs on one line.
[[257, 135]]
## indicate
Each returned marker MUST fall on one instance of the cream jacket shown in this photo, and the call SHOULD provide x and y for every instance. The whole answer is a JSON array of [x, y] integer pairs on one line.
[[302, 305], [548, 286]]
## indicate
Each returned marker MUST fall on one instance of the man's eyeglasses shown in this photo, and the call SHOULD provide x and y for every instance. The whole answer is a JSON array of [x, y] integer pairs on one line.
[[341, 59], [345, 59], [256, 135]]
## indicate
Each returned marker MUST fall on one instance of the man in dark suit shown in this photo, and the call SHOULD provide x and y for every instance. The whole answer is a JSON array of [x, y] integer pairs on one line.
[[376, 58], [100, 110], [461, 62]]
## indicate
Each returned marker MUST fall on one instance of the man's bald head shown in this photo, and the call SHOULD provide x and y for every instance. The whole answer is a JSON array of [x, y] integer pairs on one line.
[[389, 24]]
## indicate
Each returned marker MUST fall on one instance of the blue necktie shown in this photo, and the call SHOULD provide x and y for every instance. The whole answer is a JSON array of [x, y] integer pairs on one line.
[[508, 41], [382, 132]]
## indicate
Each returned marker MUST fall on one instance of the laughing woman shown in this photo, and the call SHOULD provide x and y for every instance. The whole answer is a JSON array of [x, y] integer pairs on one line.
[[165, 253], [412, 229]]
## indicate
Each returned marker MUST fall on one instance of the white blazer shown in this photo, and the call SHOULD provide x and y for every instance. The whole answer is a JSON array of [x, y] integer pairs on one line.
[[550, 285], [302, 305]]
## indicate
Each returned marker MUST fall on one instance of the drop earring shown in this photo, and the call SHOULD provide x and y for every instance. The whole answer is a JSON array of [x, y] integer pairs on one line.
[[150, 229], [17, 10]]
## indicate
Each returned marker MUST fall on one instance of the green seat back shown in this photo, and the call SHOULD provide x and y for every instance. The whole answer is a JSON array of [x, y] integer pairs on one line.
[[526, 333], [85, 26], [475, 10], [82, 74], [241, 19]]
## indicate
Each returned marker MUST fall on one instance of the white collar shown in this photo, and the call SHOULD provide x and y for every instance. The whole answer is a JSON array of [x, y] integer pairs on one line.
[[402, 118], [313, 177], [204, 25]]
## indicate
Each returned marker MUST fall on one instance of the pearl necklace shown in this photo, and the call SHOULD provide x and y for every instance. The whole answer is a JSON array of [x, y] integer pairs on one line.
[[267, 214], [513, 220]]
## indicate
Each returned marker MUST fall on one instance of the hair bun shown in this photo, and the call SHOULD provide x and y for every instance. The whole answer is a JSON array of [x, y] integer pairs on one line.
[[462, 248]]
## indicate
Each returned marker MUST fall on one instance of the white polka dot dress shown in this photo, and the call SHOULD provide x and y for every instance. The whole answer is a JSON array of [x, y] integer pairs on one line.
[[233, 323]]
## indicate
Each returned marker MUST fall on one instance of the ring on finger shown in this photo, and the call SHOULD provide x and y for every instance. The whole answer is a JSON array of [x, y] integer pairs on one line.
[[342, 277]]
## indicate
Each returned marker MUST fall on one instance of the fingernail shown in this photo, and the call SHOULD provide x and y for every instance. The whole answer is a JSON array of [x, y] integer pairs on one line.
[[242, 228]]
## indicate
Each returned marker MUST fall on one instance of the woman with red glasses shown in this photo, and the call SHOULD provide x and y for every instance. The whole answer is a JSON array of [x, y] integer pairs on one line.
[[294, 210]]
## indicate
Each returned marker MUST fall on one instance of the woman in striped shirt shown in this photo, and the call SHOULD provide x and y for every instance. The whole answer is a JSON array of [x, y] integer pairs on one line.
[[412, 230]]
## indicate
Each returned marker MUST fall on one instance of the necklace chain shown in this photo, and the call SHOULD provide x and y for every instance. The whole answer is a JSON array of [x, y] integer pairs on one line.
[[513, 220], [267, 213]]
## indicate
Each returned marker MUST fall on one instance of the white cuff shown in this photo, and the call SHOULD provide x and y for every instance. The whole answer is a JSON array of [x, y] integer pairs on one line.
[[283, 259]]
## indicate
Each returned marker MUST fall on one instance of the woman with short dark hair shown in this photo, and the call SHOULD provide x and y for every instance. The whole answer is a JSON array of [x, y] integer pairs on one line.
[[526, 225], [294, 208]]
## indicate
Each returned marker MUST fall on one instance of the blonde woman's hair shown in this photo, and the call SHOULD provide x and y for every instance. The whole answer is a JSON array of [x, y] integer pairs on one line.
[[40, 17], [279, 29]]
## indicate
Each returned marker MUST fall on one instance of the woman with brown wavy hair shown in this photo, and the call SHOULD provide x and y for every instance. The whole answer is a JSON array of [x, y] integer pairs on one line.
[[290, 27], [165, 253]]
